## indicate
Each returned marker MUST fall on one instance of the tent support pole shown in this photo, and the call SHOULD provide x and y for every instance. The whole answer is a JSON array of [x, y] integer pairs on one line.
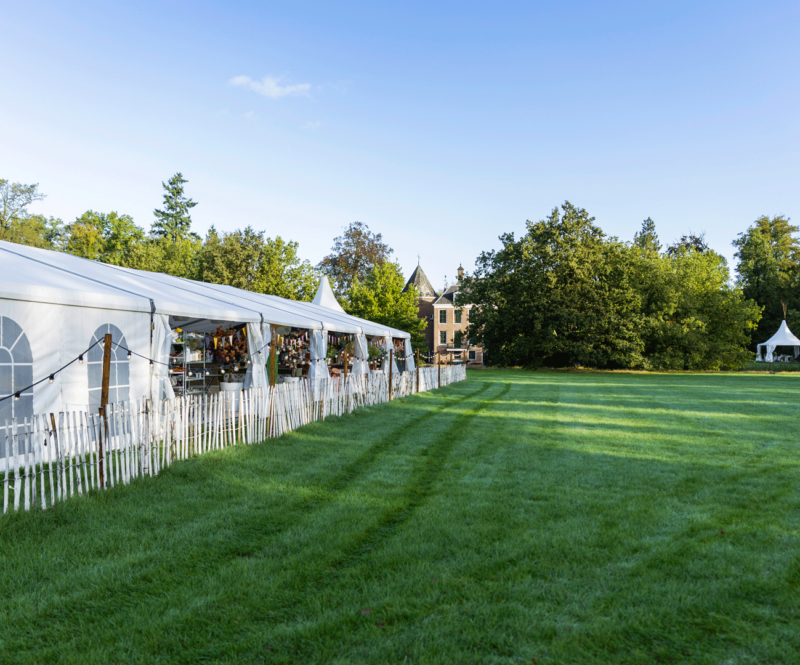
[[152, 330], [104, 401], [272, 335]]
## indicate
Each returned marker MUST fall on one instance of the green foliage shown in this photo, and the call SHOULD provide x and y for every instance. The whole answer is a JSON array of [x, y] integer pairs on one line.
[[566, 294], [174, 222], [646, 240], [15, 199], [35, 231], [352, 256], [559, 295], [690, 242], [694, 318], [769, 271], [105, 237], [18, 225], [380, 298], [248, 260]]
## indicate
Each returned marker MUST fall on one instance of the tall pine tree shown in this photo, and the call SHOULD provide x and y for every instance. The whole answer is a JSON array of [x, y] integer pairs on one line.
[[174, 222]]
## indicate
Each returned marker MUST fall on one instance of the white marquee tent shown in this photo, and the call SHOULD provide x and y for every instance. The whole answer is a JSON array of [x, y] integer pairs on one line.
[[784, 337], [54, 306]]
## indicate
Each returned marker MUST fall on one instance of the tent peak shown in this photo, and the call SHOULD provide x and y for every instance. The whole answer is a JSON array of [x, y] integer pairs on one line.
[[325, 296]]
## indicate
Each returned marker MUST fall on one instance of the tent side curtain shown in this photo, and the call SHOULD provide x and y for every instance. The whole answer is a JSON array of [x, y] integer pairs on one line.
[[361, 360], [318, 368], [161, 386], [410, 366], [389, 347], [256, 376]]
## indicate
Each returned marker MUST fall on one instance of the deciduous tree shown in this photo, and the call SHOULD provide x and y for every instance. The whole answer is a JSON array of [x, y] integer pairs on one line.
[[353, 254], [769, 270], [248, 260]]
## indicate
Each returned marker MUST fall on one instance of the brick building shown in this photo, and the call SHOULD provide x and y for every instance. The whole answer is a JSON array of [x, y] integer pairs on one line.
[[447, 324]]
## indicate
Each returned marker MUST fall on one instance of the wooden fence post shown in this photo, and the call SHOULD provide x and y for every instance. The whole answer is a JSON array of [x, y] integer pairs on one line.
[[272, 355], [417, 370], [391, 366], [104, 400], [439, 366]]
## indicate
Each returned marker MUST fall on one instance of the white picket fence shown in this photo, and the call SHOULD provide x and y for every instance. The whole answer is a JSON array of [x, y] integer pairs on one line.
[[56, 456]]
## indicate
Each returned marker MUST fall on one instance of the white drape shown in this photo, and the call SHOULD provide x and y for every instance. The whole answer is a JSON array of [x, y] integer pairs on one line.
[[256, 376], [389, 347], [361, 360], [318, 369], [160, 384], [410, 367]]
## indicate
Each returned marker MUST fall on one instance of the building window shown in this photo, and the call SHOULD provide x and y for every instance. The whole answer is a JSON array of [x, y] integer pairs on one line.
[[442, 316], [119, 382], [442, 337], [473, 355], [457, 339], [16, 374], [458, 316]]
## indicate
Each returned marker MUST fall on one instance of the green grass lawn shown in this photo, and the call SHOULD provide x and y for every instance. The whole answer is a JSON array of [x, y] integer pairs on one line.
[[513, 518]]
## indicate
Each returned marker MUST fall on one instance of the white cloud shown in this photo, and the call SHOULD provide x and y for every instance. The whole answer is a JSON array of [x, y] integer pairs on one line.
[[250, 115], [313, 126], [271, 87]]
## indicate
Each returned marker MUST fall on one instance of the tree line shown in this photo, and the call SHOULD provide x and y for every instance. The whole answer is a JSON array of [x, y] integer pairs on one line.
[[566, 294], [367, 283]]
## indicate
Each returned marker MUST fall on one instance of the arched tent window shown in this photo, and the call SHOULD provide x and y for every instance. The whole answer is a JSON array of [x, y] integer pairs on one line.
[[16, 373], [119, 383]]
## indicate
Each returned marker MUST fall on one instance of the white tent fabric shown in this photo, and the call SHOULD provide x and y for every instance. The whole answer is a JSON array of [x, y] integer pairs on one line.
[[389, 348], [256, 376], [784, 337], [318, 368], [325, 296], [410, 366], [53, 306], [161, 387], [361, 360]]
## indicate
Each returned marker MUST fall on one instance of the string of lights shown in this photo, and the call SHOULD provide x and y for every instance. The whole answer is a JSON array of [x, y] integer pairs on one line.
[[52, 377]]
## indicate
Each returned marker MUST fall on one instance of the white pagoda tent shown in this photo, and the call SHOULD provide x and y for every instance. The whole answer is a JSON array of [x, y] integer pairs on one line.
[[784, 337]]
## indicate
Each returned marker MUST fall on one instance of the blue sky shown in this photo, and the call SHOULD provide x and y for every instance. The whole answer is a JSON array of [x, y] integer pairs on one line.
[[441, 125]]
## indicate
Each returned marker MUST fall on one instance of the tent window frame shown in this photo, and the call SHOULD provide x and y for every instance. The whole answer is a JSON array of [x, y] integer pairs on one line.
[[17, 366], [119, 384]]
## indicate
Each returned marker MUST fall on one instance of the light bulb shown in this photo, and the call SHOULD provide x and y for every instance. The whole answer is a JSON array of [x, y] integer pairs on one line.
[[52, 378], [16, 397], [80, 359], [151, 363], [129, 355]]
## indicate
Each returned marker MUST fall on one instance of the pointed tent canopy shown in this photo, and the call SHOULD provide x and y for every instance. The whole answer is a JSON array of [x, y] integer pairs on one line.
[[784, 337], [325, 296]]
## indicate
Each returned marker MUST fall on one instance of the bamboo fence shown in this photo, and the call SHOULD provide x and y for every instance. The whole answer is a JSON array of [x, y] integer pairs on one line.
[[50, 458]]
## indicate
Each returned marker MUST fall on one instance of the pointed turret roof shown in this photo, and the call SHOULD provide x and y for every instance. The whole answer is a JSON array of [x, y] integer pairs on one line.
[[423, 285], [325, 296]]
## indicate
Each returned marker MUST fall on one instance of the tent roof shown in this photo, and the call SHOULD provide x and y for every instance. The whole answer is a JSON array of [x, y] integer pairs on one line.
[[784, 337], [41, 275], [325, 296]]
